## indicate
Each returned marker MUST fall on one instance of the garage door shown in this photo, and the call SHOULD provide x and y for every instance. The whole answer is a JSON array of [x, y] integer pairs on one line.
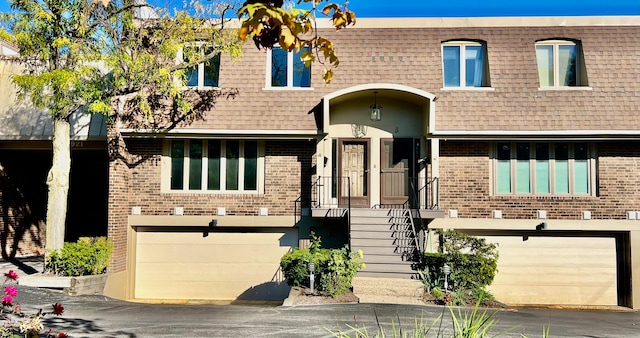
[[220, 266], [556, 270]]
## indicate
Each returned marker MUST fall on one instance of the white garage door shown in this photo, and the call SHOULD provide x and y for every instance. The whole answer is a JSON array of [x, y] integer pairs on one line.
[[556, 270], [220, 266]]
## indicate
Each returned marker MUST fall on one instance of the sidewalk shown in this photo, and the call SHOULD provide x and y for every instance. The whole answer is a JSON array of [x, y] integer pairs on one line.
[[23, 265]]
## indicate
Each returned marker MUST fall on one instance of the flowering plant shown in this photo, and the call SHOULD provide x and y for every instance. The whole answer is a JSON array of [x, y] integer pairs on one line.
[[19, 324]]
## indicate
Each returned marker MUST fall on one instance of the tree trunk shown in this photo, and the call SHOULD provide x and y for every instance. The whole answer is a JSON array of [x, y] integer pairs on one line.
[[58, 182]]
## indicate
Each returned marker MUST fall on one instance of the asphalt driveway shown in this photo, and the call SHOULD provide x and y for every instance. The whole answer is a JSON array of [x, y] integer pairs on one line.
[[98, 316]]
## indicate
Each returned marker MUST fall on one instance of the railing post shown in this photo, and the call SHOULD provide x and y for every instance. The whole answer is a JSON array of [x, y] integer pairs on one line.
[[349, 209]]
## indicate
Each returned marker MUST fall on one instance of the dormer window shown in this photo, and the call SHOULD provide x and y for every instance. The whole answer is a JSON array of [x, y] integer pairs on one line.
[[205, 74], [560, 63], [286, 69], [464, 64]]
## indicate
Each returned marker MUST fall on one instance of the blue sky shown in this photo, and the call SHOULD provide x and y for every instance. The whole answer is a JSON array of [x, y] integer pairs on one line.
[[461, 8], [473, 8]]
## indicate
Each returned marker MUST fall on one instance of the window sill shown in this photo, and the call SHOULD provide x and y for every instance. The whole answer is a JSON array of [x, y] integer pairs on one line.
[[288, 88], [470, 89], [565, 88], [200, 88], [214, 192], [540, 196]]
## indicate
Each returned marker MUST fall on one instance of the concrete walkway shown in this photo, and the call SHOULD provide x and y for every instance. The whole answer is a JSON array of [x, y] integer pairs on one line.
[[23, 265]]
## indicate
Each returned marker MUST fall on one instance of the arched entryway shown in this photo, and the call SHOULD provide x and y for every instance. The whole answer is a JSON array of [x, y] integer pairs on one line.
[[381, 159]]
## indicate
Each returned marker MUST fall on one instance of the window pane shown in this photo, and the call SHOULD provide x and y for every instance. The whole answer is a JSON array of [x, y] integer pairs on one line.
[[195, 165], [567, 65], [562, 168], [250, 165], [212, 70], [504, 168], [581, 168], [544, 54], [213, 165], [542, 168], [191, 73], [232, 156], [278, 67], [451, 65], [523, 185], [301, 74], [473, 66], [177, 164], [192, 76]]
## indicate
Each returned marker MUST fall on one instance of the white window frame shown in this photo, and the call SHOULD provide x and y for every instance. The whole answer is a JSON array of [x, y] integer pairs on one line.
[[166, 169], [485, 82], [289, 85], [556, 64], [591, 167], [180, 59]]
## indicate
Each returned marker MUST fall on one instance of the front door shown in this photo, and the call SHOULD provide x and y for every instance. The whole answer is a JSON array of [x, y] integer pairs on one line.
[[397, 168], [354, 173]]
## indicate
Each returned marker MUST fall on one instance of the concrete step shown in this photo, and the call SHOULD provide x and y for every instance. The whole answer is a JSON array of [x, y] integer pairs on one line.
[[376, 212], [375, 299], [398, 267], [385, 258], [386, 226], [388, 290], [378, 274]]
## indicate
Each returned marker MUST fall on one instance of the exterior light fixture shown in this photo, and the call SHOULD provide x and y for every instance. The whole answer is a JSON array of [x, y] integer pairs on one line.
[[375, 109], [312, 269], [447, 271]]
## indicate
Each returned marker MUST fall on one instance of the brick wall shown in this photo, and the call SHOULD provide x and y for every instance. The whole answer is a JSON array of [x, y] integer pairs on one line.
[[465, 185], [288, 174]]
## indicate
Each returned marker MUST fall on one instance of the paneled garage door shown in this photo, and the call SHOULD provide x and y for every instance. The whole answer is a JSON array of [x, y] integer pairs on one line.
[[220, 266], [556, 270]]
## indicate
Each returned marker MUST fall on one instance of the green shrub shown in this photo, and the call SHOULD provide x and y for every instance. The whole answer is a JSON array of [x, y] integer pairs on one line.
[[473, 261], [481, 295], [458, 297], [334, 268], [437, 293], [87, 256]]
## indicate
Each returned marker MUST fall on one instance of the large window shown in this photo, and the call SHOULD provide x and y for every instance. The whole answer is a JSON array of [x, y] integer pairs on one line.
[[216, 165], [205, 74], [543, 168], [287, 69], [560, 64], [464, 64]]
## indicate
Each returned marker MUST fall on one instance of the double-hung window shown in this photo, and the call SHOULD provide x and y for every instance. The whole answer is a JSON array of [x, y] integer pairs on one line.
[[464, 64], [543, 168], [216, 165], [205, 74], [560, 63], [286, 69]]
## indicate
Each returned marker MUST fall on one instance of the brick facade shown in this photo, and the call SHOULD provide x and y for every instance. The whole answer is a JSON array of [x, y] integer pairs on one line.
[[465, 185], [287, 177]]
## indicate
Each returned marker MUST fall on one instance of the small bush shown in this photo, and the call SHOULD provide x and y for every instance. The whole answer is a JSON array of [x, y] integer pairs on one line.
[[481, 295], [87, 256], [473, 261], [437, 293], [334, 268]]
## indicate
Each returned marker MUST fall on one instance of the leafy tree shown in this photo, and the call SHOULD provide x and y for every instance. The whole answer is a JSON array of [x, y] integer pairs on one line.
[[118, 58], [269, 23], [100, 57]]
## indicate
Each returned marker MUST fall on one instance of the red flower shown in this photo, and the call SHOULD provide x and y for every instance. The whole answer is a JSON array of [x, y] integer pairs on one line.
[[61, 335], [11, 275], [11, 291], [58, 309], [7, 301]]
